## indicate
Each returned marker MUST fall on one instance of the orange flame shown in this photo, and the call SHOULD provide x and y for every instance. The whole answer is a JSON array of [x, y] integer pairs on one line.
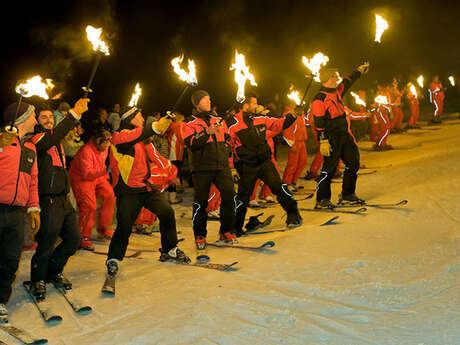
[[452, 80], [35, 86], [94, 36], [190, 77], [135, 96], [241, 75], [420, 81], [380, 99], [358, 100], [295, 96], [380, 26], [315, 63], [413, 90]]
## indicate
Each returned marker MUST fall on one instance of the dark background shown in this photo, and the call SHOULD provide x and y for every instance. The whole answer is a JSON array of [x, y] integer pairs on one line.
[[48, 38]]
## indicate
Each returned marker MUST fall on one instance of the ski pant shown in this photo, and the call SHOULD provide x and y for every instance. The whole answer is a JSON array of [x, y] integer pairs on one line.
[[374, 127], [297, 161], [438, 102], [265, 190], [415, 113], [269, 175], [223, 180], [398, 117], [57, 219], [214, 199], [343, 147], [85, 193], [129, 207], [11, 237], [385, 128]]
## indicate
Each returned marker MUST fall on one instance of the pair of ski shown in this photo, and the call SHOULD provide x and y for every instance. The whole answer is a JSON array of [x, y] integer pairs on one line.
[[46, 310], [22, 335], [360, 210]]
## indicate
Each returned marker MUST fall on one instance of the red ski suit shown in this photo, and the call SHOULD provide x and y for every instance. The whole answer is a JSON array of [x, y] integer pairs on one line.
[[414, 109], [89, 180], [295, 136], [395, 100], [437, 98], [381, 112]]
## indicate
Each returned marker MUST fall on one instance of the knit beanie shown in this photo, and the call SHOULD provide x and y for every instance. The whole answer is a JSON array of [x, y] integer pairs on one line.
[[197, 96], [24, 112]]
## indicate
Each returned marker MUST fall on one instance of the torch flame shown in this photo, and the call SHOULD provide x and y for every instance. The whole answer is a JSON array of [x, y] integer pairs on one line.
[[295, 96], [380, 26], [241, 75], [35, 87], [452, 80], [190, 77], [94, 36], [315, 63], [135, 96], [413, 90], [420, 81], [358, 100], [380, 99]]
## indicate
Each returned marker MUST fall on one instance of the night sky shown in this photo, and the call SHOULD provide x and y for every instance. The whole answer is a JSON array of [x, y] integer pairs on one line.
[[48, 38]]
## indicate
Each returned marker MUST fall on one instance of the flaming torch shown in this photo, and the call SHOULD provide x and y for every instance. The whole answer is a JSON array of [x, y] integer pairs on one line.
[[413, 90], [189, 78], [314, 65], [35, 86], [380, 26], [380, 99], [420, 81], [358, 100], [135, 96], [241, 75], [94, 36], [452, 80], [295, 96]]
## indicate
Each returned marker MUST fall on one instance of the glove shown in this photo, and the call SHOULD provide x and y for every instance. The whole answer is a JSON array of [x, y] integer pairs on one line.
[[325, 147], [364, 68], [7, 138], [34, 217], [81, 106], [162, 125]]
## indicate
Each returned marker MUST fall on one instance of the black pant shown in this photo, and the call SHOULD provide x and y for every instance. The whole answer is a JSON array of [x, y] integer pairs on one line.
[[11, 236], [269, 175], [343, 147], [57, 219], [128, 208], [202, 182]]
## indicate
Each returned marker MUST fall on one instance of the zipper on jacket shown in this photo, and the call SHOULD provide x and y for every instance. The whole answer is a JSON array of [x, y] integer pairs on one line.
[[19, 173]]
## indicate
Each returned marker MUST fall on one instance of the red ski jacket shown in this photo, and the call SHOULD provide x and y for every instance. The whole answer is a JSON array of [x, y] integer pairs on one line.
[[89, 163], [19, 176]]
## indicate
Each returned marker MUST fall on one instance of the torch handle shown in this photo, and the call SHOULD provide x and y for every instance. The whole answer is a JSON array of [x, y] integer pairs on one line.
[[306, 90], [16, 113], [87, 88], [179, 100]]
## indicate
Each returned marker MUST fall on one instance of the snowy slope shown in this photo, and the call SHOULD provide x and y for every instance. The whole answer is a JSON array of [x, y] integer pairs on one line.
[[389, 277]]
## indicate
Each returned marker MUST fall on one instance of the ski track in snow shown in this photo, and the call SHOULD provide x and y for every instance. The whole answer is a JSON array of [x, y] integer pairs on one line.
[[389, 277]]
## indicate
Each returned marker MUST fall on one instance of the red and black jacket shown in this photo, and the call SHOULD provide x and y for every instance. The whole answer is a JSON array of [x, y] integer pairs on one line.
[[209, 152], [328, 108], [53, 178], [248, 136]]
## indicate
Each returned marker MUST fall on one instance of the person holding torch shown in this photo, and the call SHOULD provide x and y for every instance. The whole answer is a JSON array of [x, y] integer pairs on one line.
[[18, 188], [336, 140]]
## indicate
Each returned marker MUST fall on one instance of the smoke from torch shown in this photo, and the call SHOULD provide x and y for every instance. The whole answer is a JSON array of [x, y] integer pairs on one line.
[[380, 26], [135, 96], [241, 75]]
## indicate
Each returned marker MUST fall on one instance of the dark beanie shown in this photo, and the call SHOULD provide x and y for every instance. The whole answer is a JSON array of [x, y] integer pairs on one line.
[[197, 96], [24, 112]]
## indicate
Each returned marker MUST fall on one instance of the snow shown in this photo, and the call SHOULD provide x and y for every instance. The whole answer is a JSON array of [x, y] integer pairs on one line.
[[389, 277]]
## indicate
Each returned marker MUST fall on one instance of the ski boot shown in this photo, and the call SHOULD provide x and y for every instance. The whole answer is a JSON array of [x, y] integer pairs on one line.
[[112, 268], [351, 199], [107, 233], [38, 290], [200, 242], [324, 204], [60, 281], [293, 220], [175, 255], [86, 244], [239, 233], [228, 238], [3, 313]]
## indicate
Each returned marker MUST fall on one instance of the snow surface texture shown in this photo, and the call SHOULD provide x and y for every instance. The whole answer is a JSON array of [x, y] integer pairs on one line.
[[390, 277]]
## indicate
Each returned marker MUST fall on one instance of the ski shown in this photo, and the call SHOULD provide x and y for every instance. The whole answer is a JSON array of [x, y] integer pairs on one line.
[[330, 221], [265, 245], [22, 335], [360, 211], [389, 205], [77, 305], [134, 255], [109, 285], [43, 306], [212, 266]]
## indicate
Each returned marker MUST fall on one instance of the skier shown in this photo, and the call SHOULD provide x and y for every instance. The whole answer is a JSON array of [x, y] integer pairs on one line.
[[336, 140], [18, 188], [207, 137], [437, 99]]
